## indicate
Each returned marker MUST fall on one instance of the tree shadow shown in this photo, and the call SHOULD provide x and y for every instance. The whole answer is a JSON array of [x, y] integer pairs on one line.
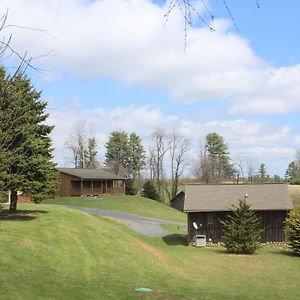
[[221, 250], [20, 215], [285, 252], [175, 239]]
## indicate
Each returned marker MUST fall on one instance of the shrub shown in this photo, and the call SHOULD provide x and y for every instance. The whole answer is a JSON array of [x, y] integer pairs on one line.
[[150, 191], [293, 231], [130, 189], [242, 230], [295, 181], [2, 200]]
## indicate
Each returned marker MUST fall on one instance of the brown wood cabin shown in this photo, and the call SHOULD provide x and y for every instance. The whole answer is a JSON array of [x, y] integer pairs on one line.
[[178, 201], [208, 204], [89, 182]]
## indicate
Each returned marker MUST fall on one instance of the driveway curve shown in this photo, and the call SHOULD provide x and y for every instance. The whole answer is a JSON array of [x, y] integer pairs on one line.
[[147, 226]]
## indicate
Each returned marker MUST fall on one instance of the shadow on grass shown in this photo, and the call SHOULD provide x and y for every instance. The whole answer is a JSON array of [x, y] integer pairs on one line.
[[175, 239], [221, 250], [286, 252], [20, 215]]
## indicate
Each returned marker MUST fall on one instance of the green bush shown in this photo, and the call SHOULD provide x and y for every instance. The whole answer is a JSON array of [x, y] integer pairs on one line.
[[242, 230], [150, 191], [293, 231], [295, 181], [130, 189], [2, 200]]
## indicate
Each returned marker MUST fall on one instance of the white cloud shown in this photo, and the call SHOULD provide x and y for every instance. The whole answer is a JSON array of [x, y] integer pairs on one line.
[[297, 139], [126, 40]]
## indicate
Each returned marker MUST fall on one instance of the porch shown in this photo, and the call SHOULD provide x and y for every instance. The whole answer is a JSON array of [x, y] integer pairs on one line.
[[96, 187]]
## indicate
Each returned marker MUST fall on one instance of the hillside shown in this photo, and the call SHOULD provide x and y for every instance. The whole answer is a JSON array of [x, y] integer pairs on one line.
[[58, 253], [136, 205]]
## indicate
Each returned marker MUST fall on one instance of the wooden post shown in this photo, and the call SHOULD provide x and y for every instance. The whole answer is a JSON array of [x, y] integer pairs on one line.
[[92, 183], [9, 197], [81, 187], [105, 186]]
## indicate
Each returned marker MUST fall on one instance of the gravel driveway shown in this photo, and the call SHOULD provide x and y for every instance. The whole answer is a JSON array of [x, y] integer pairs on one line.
[[148, 226]]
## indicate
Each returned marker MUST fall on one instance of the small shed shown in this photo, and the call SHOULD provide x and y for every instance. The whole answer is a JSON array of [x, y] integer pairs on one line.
[[178, 201], [208, 204], [92, 182]]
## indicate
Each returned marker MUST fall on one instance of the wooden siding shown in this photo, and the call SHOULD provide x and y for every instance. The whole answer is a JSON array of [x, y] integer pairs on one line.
[[272, 223], [73, 186], [178, 201], [65, 184]]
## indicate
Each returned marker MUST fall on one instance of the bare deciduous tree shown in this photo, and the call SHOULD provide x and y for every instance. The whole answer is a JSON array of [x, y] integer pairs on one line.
[[251, 168], [202, 167], [83, 149], [157, 154], [178, 148]]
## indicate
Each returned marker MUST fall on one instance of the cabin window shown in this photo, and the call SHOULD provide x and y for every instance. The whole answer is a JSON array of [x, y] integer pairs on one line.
[[97, 184], [75, 185], [210, 218], [87, 184]]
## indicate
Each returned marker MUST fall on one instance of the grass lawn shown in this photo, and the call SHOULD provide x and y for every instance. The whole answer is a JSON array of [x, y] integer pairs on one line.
[[128, 204], [58, 253]]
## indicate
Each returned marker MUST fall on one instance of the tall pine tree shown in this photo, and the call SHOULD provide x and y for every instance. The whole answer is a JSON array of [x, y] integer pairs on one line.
[[25, 147], [136, 161], [117, 151]]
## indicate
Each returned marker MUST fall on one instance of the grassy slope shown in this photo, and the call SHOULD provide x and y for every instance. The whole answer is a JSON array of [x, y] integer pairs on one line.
[[65, 254], [129, 204]]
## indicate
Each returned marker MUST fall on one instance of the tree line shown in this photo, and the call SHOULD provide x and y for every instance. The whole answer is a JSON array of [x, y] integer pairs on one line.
[[160, 170], [292, 173]]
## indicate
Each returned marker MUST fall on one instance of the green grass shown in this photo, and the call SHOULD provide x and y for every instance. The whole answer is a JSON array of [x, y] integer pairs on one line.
[[59, 253], [295, 195], [128, 204]]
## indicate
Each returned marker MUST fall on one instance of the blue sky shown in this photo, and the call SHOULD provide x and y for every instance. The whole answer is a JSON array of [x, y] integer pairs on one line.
[[117, 67]]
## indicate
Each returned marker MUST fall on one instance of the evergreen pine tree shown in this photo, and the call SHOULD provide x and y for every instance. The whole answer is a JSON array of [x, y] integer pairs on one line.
[[136, 159], [150, 191], [130, 189], [117, 151], [293, 231], [25, 146], [241, 230], [91, 154]]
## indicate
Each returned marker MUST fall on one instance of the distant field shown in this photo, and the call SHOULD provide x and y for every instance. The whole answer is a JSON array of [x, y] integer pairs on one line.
[[295, 194], [58, 253], [128, 204]]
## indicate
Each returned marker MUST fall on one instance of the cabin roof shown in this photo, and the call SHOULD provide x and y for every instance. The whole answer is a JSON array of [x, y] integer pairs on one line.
[[177, 196], [209, 198], [90, 173]]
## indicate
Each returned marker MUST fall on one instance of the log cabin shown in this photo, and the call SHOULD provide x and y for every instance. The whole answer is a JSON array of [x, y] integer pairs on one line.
[[208, 204], [89, 182]]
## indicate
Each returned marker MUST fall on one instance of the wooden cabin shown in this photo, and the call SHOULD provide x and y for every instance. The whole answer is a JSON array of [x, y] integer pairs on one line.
[[178, 201], [89, 182], [208, 204]]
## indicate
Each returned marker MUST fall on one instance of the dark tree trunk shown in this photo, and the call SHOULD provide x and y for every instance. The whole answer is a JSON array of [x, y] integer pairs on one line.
[[13, 201]]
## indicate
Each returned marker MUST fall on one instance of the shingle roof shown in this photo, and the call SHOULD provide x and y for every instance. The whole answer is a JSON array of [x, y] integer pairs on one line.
[[89, 173], [222, 197]]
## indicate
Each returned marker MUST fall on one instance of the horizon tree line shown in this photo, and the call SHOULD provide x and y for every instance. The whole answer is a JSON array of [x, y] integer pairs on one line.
[[166, 160]]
